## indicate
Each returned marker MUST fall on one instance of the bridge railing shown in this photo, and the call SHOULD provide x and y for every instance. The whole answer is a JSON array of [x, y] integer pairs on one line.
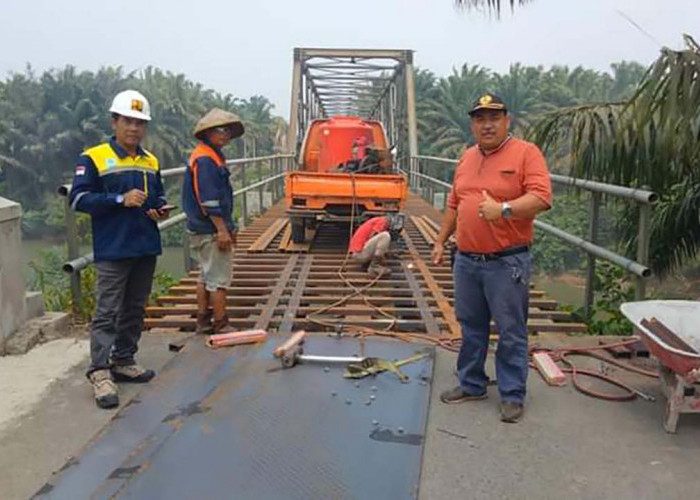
[[431, 177], [257, 182]]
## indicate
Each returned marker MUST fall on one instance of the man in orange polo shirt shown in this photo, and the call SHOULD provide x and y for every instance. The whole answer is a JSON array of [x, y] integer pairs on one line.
[[499, 186]]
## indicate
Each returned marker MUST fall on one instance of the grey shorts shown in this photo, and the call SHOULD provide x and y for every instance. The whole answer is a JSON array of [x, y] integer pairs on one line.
[[216, 268]]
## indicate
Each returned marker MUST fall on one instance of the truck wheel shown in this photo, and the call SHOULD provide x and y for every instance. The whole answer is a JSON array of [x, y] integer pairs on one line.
[[298, 230]]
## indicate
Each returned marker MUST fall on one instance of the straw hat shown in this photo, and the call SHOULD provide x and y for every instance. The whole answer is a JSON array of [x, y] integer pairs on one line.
[[219, 118]]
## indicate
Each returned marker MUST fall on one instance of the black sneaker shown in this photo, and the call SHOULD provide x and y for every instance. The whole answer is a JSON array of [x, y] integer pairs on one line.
[[511, 412], [459, 395]]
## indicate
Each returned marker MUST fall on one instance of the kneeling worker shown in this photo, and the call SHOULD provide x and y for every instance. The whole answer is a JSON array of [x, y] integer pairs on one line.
[[207, 199], [371, 241]]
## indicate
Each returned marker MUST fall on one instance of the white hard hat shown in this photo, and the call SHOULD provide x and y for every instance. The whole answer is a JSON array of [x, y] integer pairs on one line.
[[131, 103]]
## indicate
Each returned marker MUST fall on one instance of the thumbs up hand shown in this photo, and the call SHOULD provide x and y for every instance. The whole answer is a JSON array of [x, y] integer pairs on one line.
[[489, 208]]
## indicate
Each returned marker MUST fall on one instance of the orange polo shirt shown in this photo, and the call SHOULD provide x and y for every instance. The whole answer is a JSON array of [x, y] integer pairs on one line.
[[516, 168]]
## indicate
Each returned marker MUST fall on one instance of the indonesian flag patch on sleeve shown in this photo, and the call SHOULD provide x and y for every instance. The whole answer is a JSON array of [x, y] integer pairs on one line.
[[80, 170]]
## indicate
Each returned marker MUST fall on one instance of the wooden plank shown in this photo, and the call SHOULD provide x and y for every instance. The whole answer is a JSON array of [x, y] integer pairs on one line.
[[418, 222], [294, 301], [264, 240], [442, 301], [436, 228], [273, 300], [423, 308], [286, 238], [550, 372]]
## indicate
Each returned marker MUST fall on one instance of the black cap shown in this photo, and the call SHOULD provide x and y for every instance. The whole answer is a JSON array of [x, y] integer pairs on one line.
[[488, 101]]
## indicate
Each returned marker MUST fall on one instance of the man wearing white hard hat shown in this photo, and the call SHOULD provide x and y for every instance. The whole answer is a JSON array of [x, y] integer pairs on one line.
[[118, 183]]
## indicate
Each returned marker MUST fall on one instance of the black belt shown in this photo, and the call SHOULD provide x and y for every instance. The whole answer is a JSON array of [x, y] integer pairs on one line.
[[496, 255]]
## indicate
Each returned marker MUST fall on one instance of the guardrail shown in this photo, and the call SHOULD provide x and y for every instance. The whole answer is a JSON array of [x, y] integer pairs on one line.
[[246, 176], [426, 186]]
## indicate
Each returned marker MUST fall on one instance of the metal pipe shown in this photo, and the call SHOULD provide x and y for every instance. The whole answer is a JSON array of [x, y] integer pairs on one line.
[[433, 180], [260, 190], [73, 253], [175, 219], [436, 158], [75, 265], [629, 265], [245, 161], [643, 240], [411, 106], [172, 172], [244, 199], [357, 54], [313, 358], [639, 195], [80, 263], [590, 269]]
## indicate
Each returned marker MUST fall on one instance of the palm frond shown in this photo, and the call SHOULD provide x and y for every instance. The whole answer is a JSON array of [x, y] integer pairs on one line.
[[652, 140], [490, 5]]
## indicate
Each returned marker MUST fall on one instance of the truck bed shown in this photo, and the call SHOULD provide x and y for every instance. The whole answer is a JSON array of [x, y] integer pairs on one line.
[[318, 190]]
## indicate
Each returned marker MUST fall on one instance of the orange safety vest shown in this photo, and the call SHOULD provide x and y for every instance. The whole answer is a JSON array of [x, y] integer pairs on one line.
[[202, 150]]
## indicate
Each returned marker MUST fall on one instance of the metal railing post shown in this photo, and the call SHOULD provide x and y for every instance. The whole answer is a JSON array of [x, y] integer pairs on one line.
[[187, 257], [244, 200], [260, 189], [73, 253], [643, 241], [412, 166], [590, 270], [278, 186]]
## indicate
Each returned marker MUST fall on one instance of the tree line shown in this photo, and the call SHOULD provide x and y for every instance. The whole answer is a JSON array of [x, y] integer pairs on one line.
[[47, 119]]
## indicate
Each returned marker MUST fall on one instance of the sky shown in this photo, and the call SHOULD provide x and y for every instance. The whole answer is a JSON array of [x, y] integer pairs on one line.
[[244, 47]]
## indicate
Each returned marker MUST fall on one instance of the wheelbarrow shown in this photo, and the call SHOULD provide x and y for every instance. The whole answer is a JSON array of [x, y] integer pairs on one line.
[[670, 329]]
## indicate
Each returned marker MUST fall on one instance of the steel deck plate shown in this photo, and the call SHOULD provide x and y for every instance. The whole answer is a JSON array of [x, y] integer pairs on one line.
[[232, 424]]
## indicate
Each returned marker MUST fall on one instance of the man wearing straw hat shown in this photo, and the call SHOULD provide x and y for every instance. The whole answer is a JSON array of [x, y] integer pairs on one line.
[[207, 198]]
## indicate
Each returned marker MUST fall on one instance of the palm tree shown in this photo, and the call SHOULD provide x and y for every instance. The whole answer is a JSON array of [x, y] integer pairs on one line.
[[491, 5], [449, 111], [652, 140], [519, 88]]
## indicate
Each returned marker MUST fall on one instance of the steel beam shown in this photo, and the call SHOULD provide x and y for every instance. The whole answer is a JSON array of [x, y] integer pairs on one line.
[[292, 138]]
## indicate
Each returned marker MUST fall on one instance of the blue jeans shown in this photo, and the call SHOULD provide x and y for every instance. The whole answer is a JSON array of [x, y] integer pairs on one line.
[[499, 290]]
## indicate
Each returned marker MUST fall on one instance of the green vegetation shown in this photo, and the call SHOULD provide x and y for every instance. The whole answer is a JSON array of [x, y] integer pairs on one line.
[[47, 120], [443, 103], [47, 277], [650, 140], [631, 126]]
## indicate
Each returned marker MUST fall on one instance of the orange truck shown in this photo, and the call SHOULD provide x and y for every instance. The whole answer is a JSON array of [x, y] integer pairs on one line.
[[344, 160]]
